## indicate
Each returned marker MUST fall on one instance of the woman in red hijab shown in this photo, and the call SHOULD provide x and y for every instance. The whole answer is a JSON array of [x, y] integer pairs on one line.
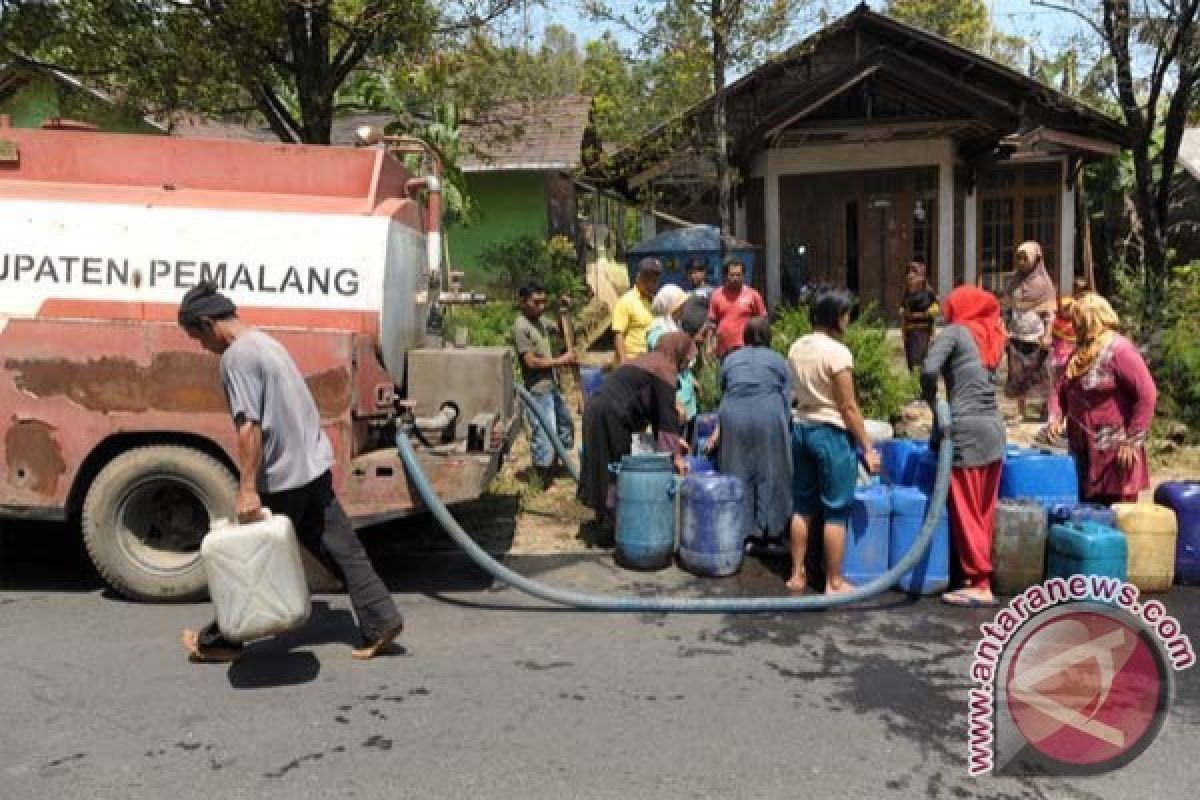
[[965, 355]]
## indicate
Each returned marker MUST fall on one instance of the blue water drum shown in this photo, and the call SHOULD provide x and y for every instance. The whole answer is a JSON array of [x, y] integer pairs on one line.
[[1183, 497], [932, 572], [1014, 451], [867, 538], [1085, 548], [1048, 478], [924, 470], [592, 379], [705, 425], [712, 524], [702, 465], [645, 536], [895, 455]]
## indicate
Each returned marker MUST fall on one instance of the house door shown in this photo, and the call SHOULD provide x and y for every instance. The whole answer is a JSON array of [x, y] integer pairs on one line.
[[876, 234]]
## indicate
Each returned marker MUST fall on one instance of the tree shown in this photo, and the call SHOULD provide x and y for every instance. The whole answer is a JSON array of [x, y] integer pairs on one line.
[[608, 79], [735, 33], [965, 22], [285, 59], [1163, 36]]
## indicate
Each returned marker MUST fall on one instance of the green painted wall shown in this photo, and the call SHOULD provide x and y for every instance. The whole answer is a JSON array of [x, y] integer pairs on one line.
[[507, 205], [42, 97]]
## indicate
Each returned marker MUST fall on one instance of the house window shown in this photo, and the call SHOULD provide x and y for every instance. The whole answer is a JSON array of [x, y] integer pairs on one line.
[[1039, 223], [1017, 203], [995, 240]]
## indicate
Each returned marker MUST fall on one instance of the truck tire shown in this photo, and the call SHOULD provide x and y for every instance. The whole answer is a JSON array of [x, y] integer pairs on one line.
[[144, 517]]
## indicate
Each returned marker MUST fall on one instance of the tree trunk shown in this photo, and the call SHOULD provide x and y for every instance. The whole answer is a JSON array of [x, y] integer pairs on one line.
[[720, 31], [308, 32]]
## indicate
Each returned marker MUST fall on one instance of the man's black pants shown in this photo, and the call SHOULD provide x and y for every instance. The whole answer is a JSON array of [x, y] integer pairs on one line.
[[324, 529]]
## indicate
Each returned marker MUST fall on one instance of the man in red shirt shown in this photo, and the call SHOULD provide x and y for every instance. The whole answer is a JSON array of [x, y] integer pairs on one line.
[[732, 306]]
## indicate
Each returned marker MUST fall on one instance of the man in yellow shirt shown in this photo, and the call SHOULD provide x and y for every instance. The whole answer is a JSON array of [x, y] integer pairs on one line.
[[632, 316]]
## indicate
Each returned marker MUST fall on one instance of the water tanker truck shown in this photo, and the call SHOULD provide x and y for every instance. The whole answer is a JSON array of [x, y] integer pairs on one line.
[[109, 414]]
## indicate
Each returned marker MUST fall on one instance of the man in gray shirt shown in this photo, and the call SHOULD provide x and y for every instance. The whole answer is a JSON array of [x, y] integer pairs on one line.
[[537, 370], [284, 461]]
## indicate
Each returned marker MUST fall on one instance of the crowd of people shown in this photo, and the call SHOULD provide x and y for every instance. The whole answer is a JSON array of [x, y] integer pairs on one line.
[[791, 429]]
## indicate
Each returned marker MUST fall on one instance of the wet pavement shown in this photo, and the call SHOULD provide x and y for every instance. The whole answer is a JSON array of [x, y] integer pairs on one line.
[[495, 695]]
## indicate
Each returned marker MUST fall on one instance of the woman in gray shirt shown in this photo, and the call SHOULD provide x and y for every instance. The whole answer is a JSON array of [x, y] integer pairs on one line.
[[965, 354]]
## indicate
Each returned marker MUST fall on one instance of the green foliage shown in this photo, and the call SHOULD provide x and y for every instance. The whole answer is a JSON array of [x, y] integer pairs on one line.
[[1175, 356], [962, 21], [489, 325], [510, 263], [708, 385], [285, 61]]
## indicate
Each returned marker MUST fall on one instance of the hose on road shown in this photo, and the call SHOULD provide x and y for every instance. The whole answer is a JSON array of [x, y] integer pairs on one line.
[[686, 605]]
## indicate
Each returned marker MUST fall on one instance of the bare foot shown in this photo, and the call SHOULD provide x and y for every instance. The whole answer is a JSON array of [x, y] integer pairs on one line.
[[798, 583], [840, 586]]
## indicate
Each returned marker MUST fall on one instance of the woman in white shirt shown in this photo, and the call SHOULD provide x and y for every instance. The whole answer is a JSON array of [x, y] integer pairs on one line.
[[829, 423]]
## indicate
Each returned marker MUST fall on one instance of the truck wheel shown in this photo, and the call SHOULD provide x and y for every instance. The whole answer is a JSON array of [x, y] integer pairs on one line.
[[145, 514]]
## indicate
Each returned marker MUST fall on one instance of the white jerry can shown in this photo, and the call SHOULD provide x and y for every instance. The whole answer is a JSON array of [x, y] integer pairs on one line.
[[255, 577]]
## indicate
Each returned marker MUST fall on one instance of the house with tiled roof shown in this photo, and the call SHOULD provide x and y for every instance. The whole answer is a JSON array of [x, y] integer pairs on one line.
[[521, 162], [874, 143]]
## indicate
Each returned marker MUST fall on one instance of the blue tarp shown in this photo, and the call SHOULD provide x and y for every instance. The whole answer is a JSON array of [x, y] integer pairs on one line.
[[677, 247]]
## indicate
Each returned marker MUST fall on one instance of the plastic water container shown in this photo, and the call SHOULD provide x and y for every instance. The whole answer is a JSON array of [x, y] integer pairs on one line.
[[1150, 531], [1183, 497], [645, 535], [878, 430], [1018, 546], [255, 577], [867, 538], [1085, 548], [592, 379], [705, 425], [1083, 512], [920, 451], [1048, 478], [932, 572], [701, 465], [712, 525], [924, 470], [895, 455]]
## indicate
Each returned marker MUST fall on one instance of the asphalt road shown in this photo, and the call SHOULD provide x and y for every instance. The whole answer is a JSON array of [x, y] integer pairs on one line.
[[494, 696]]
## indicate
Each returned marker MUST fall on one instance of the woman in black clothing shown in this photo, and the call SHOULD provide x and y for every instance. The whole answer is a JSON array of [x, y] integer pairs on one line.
[[633, 396], [918, 307]]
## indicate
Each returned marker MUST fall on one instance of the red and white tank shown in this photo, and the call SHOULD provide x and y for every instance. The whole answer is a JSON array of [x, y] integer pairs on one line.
[[119, 226]]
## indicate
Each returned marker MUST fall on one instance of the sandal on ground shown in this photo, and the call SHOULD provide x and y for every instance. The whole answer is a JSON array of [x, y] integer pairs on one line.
[[380, 645], [214, 654], [964, 600]]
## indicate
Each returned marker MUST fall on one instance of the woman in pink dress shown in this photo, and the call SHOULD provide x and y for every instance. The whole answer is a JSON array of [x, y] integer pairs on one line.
[[1107, 398]]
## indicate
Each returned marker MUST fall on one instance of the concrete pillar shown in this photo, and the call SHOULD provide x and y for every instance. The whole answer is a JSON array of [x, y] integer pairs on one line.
[[1066, 249], [772, 232], [970, 238], [945, 266]]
